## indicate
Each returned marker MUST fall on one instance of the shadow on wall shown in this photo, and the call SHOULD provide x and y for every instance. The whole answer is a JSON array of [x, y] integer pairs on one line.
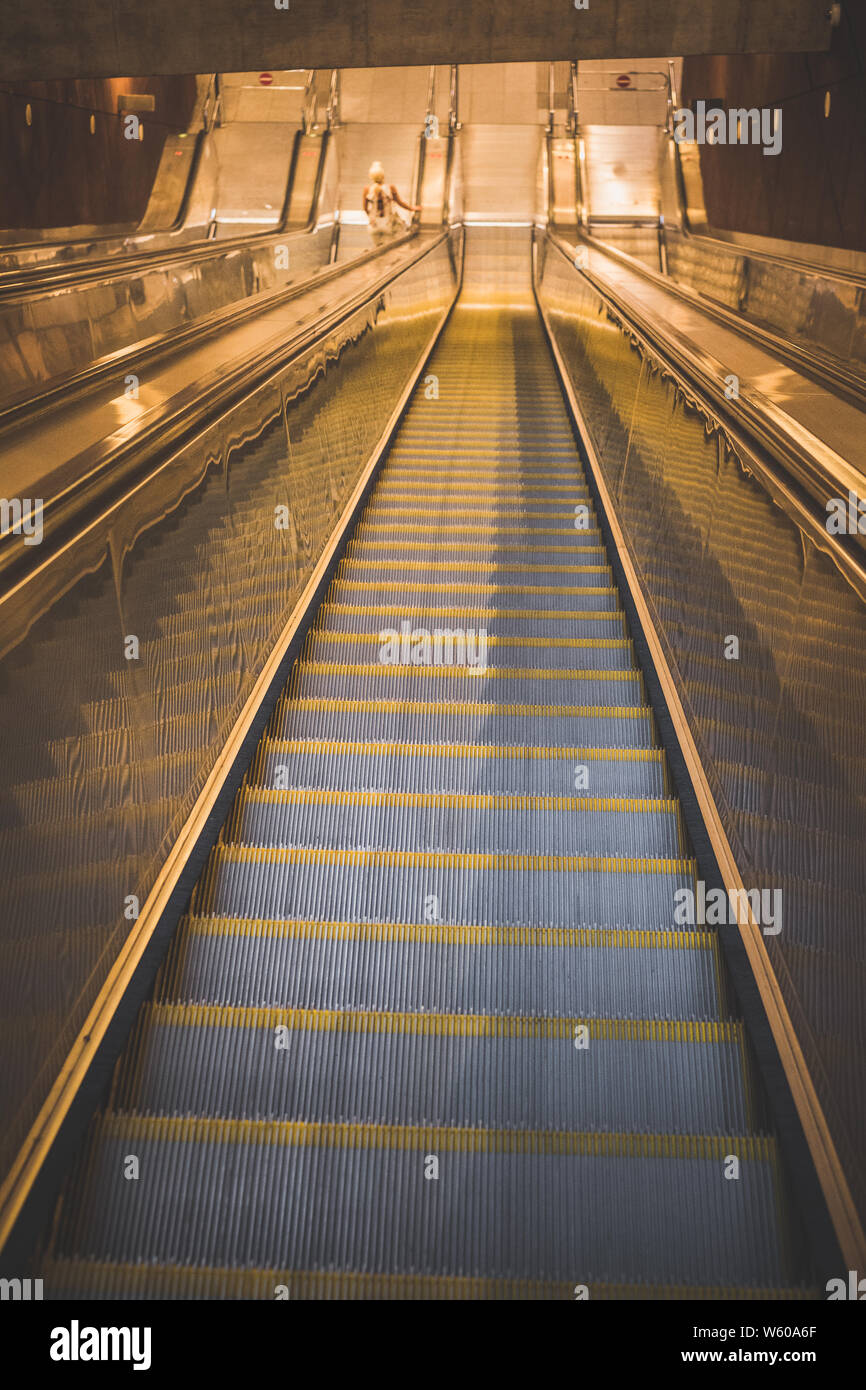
[[69, 164], [815, 189]]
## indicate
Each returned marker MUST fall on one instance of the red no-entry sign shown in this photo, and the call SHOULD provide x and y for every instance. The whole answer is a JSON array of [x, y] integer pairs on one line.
[[266, 78], [623, 80]]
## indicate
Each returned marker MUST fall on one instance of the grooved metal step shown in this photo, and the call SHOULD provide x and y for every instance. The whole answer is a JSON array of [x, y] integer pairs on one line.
[[435, 767], [382, 965], [512, 1203]]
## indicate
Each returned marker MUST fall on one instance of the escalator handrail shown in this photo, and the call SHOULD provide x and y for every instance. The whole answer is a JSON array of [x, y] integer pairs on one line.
[[34, 280], [100, 372], [821, 368], [797, 477], [105, 473], [814, 269]]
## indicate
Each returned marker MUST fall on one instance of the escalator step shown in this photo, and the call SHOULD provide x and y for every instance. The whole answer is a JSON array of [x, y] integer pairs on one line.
[[555, 1204], [423, 966]]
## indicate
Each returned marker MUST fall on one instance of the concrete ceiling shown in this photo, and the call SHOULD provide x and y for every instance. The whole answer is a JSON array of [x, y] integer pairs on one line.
[[108, 38]]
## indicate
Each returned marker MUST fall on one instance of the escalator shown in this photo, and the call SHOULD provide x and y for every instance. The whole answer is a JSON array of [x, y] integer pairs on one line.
[[426, 1028]]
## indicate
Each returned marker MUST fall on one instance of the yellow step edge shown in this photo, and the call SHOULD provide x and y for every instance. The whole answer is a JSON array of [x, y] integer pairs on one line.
[[389, 487], [444, 449], [462, 750], [536, 443], [512, 548], [434, 1139], [496, 470], [477, 400], [365, 526], [420, 587], [464, 499], [438, 1025], [469, 706], [478, 566], [411, 467], [397, 610], [607, 938], [442, 859], [389, 484], [373, 638], [471, 442], [461, 509], [324, 668], [319, 796], [224, 1281]]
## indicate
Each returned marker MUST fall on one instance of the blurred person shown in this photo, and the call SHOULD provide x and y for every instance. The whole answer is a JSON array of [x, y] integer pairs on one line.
[[381, 201]]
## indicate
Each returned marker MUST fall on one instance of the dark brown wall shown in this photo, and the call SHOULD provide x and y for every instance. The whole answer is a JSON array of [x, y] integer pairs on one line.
[[815, 189], [55, 173]]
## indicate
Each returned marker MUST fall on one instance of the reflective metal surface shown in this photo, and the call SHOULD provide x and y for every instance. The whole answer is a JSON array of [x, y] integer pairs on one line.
[[499, 171], [822, 312], [216, 170], [118, 700], [818, 434], [622, 170], [562, 163], [80, 453], [49, 336], [253, 164], [633, 172], [637, 239], [780, 728]]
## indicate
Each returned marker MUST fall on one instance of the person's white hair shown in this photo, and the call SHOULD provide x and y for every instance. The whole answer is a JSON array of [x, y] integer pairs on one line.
[[377, 173]]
